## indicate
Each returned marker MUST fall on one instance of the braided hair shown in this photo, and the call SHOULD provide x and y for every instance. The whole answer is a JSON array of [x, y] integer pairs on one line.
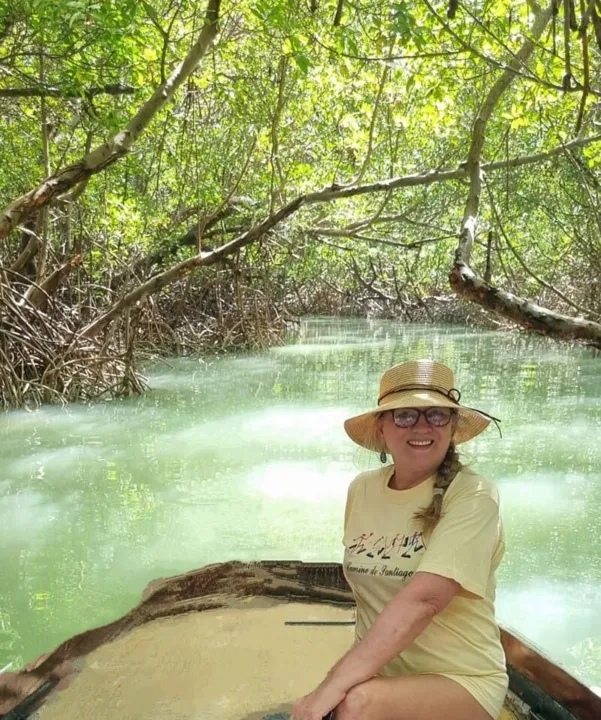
[[447, 471]]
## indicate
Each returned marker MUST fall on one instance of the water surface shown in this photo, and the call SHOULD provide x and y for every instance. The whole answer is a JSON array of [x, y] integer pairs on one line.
[[245, 458]]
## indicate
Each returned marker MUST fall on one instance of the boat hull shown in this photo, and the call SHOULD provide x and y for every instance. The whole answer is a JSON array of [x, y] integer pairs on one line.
[[538, 688]]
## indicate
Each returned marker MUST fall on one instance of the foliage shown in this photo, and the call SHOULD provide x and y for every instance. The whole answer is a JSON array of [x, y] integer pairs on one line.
[[288, 102]]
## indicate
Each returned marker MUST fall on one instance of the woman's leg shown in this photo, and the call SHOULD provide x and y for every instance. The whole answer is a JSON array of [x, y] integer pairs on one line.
[[415, 697]]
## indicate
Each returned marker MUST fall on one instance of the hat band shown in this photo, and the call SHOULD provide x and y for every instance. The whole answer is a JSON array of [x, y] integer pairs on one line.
[[453, 394]]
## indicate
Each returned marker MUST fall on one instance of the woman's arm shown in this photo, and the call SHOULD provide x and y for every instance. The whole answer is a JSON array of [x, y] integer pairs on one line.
[[396, 627]]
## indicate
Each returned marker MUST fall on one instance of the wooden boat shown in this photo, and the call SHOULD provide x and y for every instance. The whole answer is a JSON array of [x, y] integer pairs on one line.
[[277, 613]]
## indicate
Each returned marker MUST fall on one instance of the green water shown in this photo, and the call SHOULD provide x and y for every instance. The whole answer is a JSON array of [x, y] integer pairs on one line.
[[245, 458]]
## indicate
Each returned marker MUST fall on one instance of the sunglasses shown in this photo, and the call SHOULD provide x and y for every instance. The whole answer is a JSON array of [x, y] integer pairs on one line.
[[435, 416]]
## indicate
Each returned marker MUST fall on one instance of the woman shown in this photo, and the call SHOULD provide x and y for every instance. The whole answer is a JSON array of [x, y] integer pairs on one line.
[[423, 539]]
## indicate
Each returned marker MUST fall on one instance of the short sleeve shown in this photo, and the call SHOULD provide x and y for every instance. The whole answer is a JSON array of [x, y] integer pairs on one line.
[[464, 541], [350, 498]]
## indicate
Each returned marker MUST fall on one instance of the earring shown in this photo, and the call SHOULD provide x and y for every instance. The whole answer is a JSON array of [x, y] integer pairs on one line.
[[383, 457]]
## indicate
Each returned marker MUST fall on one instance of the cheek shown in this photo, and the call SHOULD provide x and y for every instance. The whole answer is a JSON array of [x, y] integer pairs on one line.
[[447, 434], [445, 441], [393, 436]]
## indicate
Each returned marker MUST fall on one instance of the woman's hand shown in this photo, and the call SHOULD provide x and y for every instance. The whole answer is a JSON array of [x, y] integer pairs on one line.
[[317, 704]]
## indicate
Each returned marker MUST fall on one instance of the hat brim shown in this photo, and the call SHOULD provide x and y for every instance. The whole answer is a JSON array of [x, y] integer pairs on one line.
[[362, 428]]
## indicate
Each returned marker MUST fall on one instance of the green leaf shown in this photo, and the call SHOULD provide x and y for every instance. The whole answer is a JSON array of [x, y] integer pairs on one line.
[[302, 62]]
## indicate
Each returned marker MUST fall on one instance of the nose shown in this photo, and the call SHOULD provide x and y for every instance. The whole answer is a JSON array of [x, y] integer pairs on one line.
[[422, 423]]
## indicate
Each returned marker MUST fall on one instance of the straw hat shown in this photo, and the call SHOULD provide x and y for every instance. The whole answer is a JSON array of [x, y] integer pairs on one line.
[[418, 383]]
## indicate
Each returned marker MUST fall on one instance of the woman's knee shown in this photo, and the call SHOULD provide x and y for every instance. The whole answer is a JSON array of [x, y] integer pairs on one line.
[[355, 704]]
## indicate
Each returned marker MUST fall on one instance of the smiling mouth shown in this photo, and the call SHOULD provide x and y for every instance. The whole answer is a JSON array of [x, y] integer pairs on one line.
[[420, 443]]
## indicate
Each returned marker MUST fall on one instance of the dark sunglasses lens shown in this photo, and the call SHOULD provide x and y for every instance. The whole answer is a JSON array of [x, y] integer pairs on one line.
[[438, 416], [405, 417]]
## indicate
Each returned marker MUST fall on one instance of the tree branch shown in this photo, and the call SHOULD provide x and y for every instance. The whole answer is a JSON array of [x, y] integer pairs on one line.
[[524, 312], [511, 67], [43, 91], [29, 252], [331, 193], [39, 294], [380, 241], [470, 215], [203, 259], [120, 144], [519, 258], [374, 115], [541, 157], [338, 15], [462, 278]]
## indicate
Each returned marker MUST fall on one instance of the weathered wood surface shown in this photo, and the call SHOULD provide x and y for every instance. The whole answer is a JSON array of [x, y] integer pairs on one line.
[[214, 586]]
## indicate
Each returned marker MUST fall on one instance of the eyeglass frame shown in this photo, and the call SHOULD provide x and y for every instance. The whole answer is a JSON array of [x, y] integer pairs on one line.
[[424, 411]]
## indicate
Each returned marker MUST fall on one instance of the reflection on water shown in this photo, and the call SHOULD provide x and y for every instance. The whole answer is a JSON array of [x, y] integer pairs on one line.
[[245, 457]]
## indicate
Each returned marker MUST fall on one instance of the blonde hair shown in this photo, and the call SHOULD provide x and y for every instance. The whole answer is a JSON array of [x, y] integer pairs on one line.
[[445, 475]]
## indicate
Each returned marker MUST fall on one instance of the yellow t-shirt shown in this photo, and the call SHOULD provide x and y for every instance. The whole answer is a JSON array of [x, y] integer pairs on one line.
[[384, 547]]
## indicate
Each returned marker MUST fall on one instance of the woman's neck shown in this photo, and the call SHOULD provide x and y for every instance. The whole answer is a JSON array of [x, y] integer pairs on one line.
[[407, 480]]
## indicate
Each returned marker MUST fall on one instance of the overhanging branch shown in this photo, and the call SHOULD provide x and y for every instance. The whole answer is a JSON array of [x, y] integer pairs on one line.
[[67, 94], [473, 164], [462, 278], [522, 311], [203, 259]]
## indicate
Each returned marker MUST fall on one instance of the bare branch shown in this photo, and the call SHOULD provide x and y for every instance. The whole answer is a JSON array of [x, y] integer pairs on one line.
[[202, 259], [468, 226], [532, 316], [338, 15]]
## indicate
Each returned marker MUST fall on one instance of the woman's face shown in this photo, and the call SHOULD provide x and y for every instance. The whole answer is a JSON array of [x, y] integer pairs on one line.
[[420, 448]]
